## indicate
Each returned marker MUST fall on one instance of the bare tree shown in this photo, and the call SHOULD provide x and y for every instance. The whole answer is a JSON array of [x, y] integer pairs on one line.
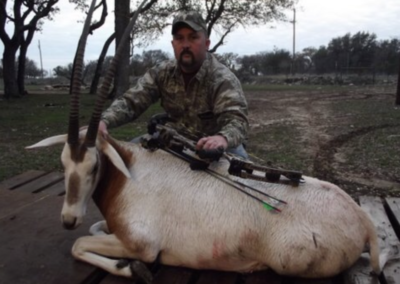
[[27, 17], [123, 74], [222, 17], [63, 71]]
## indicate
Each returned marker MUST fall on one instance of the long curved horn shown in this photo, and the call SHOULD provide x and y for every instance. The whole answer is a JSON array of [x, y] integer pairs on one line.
[[91, 134], [73, 126]]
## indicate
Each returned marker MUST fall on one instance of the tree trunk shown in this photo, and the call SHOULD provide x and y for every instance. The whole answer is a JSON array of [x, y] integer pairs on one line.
[[122, 13], [23, 49], [21, 69], [398, 85], [9, 73], [99, 67]]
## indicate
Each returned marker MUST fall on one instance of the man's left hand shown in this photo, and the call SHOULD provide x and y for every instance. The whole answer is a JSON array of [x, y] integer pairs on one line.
[[212, 142]]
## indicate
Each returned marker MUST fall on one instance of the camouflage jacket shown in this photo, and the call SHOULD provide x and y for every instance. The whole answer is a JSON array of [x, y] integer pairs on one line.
[[212, 103]]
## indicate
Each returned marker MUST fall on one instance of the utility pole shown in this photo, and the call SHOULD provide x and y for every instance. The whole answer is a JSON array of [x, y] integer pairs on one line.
[[294, 41], [398, 86], [41, 61]]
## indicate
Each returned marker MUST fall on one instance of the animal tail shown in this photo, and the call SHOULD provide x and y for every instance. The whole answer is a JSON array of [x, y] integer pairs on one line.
[[379, 258]]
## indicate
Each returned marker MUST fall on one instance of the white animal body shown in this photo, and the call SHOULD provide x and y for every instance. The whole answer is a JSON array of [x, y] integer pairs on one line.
[[155, 206]]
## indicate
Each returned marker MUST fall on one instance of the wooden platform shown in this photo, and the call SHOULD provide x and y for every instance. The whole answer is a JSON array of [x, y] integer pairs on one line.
[[35, 249]]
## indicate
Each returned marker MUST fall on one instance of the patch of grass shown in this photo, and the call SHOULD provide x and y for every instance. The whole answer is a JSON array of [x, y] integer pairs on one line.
[[278, 145], [32, 118], [374, 153], [280, 87], [356, 114]]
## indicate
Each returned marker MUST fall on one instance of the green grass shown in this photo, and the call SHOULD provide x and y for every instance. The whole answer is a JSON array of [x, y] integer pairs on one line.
[[376, 148], [30, 119], [373, 148], [280, 87], [364, 113], [278, 145]]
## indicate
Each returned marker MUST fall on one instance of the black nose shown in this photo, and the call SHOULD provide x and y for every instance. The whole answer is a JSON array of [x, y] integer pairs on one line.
[[69, 225]]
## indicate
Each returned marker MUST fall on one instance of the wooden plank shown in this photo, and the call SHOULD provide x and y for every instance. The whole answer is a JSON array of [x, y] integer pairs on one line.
[[262, 277], [112, 279], [386, 238], [55, 189], [312, 281], [42, 182], [95, 277], [360, 272], [173, 275], [393, 205], [36, 249], [217, 277], [21, 179], [12, 202]]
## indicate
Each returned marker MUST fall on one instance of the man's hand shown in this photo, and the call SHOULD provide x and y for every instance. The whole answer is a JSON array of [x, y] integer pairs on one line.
[[212, 142], [103, 127]]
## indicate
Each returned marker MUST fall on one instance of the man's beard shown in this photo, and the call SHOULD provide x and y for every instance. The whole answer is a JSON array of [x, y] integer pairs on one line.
[[191, 63]]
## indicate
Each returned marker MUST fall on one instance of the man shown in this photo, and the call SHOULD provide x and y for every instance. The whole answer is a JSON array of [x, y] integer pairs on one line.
[[202, 97]]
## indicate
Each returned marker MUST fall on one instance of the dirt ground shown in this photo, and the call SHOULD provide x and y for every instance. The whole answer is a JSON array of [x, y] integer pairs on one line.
[[347, 137]]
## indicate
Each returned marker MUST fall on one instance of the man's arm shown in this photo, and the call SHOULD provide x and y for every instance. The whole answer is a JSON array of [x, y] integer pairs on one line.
[[134, 102], [231, 107]]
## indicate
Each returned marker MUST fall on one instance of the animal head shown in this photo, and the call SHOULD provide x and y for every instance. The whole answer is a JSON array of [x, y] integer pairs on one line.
[[82, 169], [85, 151]]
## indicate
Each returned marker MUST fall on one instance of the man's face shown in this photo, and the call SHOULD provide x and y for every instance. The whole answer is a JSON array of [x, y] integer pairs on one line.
[[190, 48]]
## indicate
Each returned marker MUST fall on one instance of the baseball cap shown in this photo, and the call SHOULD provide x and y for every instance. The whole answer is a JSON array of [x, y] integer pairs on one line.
[[193, 19]]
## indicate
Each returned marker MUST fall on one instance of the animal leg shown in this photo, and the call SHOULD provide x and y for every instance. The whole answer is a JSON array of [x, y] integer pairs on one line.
[[99, 228], [98, 251], [138, 268]]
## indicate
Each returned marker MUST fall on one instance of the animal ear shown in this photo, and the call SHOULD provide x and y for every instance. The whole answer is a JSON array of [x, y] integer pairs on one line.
[[54, 140], [115, 158]]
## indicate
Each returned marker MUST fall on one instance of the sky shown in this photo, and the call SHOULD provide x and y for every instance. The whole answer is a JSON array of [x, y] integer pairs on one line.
[[317, 22]]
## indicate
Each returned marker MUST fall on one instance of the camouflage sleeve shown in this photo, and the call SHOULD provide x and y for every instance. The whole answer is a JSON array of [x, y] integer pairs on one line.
[[231, 108], [134, 102]]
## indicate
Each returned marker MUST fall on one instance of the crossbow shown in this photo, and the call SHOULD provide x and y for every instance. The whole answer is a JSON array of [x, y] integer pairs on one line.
[[165, 137]]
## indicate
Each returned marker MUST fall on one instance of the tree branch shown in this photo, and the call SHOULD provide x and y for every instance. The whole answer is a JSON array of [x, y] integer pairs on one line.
[[102, 19], [3, 17], [209, 10], [215, 17], [221, 41], [30, 8], [145, 8], [41, 13]]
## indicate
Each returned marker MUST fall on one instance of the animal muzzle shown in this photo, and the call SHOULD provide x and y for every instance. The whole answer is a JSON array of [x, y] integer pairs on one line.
[[69, 223], [72, 216]]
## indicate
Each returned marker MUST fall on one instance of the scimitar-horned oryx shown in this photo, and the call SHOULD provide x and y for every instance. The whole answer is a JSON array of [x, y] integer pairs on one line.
[[155, 207]]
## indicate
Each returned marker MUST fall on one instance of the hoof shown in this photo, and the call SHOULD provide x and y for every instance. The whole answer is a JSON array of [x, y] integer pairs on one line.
[[123, 263], [139, 269]]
